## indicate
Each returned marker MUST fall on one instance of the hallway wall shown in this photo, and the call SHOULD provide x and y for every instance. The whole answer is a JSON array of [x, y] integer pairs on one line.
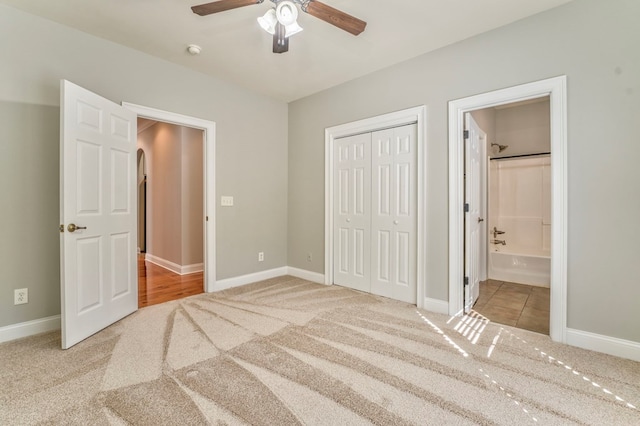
[[175, 215]]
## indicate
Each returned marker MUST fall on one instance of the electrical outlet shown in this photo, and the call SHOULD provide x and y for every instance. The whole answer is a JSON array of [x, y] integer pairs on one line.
[[261, 256], [309, 257], [20, 296]]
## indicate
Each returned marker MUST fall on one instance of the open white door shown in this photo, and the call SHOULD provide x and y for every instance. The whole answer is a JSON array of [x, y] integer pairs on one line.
[[472, 220], [98, 265]]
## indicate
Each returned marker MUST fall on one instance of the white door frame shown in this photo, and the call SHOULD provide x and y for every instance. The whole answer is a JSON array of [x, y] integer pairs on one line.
[[399, 118], [209, 130], [556, 89], [484, 212]]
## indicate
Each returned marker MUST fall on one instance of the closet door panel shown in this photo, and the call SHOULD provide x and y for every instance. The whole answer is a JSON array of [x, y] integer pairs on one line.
[[352, 212], [395, 150]]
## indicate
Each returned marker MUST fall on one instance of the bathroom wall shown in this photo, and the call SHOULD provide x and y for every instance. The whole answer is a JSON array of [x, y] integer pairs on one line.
[[524, 127], [486, 119]]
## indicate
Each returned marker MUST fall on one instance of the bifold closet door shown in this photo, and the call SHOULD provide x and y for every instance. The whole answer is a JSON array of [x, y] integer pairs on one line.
[[352, 215], [393, 213]]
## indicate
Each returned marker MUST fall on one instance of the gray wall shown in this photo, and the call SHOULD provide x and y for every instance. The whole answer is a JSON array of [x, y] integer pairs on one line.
[[593, 42], [192, 198], [251, 155], [162, 145], [174, 167], [29, 210]]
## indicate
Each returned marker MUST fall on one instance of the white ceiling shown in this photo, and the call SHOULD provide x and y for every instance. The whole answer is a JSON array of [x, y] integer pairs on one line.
[[236, 49]]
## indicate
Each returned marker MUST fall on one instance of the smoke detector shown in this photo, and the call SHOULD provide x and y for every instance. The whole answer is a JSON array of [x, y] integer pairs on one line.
[[194, 49]]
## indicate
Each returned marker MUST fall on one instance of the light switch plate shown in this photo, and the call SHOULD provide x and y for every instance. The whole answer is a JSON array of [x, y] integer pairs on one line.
[[226, 201]]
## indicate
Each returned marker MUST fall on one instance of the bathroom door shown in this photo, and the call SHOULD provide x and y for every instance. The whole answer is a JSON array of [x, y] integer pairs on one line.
[[99, 279], [472, 221]]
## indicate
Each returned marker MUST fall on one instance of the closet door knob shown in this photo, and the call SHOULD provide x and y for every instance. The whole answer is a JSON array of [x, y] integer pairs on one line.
[[395, 222]]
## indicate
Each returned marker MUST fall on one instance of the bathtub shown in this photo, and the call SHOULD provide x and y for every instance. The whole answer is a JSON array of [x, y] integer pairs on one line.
[[520, 266]]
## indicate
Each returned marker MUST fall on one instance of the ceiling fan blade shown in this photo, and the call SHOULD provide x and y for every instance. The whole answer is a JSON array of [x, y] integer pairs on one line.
[[221, 6], [280, 42], [335, 17]]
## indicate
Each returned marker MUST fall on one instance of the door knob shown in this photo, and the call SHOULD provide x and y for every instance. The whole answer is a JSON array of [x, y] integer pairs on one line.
[[395, 222], [348, 220], [480, 220], [72, 227]]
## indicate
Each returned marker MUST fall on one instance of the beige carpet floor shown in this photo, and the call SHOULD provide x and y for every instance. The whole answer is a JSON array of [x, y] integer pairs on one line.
[[286, 351]]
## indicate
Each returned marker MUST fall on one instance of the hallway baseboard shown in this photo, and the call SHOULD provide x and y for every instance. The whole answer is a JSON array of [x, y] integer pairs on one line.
[[174, 267]]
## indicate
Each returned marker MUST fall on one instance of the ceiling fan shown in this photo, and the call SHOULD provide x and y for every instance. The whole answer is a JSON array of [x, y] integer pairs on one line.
[[281, 21]]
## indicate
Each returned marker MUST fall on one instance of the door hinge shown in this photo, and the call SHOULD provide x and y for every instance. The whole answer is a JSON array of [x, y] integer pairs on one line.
[[466, 207], [466, 134], [466, 280]]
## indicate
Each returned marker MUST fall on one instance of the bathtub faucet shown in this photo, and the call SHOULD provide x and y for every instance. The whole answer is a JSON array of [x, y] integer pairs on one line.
[[503, 242], [495, 232]]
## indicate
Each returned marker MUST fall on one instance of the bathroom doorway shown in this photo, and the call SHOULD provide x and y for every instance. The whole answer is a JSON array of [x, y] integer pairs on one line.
[[555, 90], [515, 250]]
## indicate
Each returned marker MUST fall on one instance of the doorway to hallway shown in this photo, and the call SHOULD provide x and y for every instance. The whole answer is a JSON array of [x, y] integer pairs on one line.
[[171, 219]]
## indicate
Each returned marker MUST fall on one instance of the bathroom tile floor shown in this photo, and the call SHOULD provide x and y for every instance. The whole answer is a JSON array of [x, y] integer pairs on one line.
[[518, 305]]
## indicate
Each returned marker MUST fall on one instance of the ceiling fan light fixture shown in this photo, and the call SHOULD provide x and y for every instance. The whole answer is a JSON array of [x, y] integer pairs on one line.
[[287, 13], [268, 21], [292, 29]]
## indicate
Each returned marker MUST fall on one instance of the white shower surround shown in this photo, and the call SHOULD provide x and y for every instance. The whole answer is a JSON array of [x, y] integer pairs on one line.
[[520, 205]]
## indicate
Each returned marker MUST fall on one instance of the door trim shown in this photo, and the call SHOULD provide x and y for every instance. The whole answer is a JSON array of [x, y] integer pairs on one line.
[[556, 89], [416, 115], [209, 130]]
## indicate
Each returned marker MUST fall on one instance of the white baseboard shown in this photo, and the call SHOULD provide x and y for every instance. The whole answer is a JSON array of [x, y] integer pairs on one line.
[[436, 305], [249, 278], [192, 269], [174, 267], [605, 344], [29, 328], [306, 275]]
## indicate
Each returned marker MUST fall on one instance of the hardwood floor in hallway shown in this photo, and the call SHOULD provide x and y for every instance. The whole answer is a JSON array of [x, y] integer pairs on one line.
[[157, 284]]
